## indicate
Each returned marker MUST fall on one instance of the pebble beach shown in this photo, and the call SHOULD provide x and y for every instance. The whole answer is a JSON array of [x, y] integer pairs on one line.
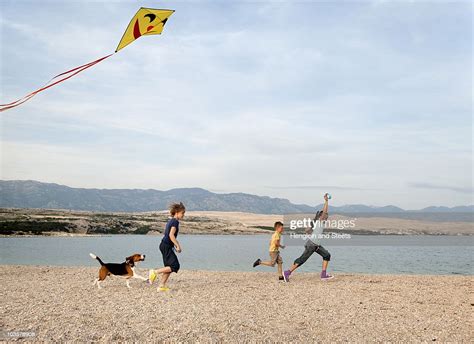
[[45, 303]]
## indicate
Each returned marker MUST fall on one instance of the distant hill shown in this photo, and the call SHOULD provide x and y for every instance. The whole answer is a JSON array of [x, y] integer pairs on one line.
[[459, 209], [34, 194]]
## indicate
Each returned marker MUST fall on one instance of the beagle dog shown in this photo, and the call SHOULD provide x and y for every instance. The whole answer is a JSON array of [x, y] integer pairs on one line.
[[125, 269]]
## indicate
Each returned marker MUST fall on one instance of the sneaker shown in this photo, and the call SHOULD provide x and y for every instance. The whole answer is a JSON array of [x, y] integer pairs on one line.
[[286, 275], [151, 276], [163, 289], [281, 278], [257, 262], [326, 277]]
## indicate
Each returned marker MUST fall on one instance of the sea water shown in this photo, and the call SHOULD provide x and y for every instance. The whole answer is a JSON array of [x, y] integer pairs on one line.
[[377, 254]]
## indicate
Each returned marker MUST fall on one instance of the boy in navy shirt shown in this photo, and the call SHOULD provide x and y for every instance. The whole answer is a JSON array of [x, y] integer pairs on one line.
[[168, 245]]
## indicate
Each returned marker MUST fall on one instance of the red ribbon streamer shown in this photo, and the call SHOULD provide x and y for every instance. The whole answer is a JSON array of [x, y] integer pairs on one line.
[[74, 71]]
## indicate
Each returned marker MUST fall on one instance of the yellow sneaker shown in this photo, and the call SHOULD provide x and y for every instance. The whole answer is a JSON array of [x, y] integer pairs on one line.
[[151, 276], [163, 289]]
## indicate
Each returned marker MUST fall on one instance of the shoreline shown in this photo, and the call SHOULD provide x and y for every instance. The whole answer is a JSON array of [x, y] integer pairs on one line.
[[362, 233], [61, 304], [335, 273]]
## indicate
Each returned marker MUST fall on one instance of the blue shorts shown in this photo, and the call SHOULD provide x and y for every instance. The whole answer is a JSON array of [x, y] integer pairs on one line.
[[169, 257]]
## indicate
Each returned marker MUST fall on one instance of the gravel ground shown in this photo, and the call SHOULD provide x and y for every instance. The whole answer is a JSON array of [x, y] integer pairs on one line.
[[61, 304]]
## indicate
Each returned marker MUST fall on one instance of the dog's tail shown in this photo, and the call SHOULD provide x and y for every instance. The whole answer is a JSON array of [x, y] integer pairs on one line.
[[93, 256]]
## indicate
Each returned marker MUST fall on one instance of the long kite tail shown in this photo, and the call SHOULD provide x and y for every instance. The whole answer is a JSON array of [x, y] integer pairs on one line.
[[54, 81]]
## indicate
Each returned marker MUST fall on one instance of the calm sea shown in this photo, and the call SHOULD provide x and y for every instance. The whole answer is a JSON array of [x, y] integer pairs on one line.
[[362, 254]]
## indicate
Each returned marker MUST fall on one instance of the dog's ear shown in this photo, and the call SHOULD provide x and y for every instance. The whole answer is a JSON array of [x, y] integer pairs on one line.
[[129, 260]]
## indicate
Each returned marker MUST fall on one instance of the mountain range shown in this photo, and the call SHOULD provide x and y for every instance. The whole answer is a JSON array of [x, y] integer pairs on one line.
[[34, 194]]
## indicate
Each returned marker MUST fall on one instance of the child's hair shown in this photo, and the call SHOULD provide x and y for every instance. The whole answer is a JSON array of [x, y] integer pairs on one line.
[[176, 208], [278, 224], [318, 215]]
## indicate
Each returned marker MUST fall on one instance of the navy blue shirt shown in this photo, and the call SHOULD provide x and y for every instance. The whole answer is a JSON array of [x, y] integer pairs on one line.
[[166, 238]]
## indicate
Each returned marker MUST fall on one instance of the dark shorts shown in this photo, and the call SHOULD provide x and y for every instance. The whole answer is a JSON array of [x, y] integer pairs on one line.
[[169, 257], [309, 249]]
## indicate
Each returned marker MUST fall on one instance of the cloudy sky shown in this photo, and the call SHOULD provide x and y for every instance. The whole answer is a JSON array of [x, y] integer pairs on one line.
[[371, 101]]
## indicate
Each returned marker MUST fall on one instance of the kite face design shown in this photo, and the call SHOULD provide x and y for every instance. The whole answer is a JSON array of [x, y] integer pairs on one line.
[[150, 29], [147, 21]]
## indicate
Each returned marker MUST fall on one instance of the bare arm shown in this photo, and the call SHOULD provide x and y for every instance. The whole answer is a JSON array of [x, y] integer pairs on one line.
[[326, 207], [174, 240], [326, 204], [277, 244]]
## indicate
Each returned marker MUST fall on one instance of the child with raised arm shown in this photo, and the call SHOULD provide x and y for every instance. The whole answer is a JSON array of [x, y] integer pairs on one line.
[[312, 246], [275, 246], [168, 245]]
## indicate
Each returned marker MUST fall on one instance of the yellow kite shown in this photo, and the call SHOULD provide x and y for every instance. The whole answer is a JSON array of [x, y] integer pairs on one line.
[[147, 21]]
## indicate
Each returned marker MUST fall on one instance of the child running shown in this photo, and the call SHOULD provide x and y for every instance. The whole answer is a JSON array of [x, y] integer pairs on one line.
[[168, 245], [275, 246], [312, 246]]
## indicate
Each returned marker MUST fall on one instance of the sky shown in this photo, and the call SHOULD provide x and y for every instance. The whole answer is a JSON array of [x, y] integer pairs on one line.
[[370, 101]]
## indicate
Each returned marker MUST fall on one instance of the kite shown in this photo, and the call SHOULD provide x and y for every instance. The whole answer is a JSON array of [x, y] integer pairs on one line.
[[147, 21]]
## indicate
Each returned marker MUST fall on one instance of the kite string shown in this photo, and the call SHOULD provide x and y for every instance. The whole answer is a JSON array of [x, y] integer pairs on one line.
[[76, 71], [28, 96], [83, 67]]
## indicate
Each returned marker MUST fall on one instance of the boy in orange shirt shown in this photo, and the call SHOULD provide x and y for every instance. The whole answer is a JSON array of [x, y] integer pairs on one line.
[[275, 246]]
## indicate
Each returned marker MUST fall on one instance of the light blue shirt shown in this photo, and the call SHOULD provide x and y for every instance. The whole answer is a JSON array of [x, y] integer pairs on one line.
[[316, 231]]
